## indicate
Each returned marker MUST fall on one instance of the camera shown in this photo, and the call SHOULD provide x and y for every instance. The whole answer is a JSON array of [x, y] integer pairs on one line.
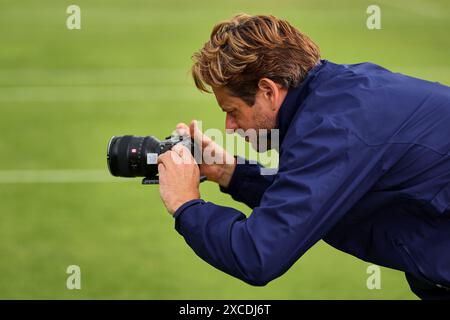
[[137, 156]]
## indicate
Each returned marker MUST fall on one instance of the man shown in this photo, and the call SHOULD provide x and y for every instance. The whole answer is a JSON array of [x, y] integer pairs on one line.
[[364, 161]]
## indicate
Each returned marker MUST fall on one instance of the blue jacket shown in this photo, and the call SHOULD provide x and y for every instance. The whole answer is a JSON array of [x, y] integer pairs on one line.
[[364, 165]]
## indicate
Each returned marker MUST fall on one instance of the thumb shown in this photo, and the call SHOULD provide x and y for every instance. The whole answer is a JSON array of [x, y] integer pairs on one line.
[[199, 137]]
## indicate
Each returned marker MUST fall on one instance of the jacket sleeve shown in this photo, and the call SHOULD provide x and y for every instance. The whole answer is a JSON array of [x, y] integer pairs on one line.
[[322, 173], [248, 176]]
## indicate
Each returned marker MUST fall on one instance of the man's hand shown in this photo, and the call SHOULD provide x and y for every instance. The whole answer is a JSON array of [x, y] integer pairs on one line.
[[179, 177], [217, 172]]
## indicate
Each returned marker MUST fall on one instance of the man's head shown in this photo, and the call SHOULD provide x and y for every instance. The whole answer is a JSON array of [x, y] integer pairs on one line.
[[250, 62]]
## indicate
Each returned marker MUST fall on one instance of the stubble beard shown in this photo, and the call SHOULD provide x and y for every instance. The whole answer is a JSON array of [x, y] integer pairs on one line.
[[263, 121]]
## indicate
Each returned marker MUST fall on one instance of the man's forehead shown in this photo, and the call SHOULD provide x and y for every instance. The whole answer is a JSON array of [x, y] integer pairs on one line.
[[223, 97]]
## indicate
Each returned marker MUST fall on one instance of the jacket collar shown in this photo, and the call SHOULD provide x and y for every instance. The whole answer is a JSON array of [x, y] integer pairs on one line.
[[294, 99]]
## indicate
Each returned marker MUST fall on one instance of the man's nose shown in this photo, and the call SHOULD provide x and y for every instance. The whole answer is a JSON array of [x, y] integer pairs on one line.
[[230, 123]]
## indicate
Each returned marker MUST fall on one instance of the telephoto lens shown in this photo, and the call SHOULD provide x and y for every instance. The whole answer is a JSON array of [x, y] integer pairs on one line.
[[136, 156]]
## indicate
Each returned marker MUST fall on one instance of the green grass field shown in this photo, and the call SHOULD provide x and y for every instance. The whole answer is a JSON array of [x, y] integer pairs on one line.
[[64, 93]]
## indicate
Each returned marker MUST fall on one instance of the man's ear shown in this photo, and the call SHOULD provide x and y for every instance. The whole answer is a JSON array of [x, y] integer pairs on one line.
[[269, 90]]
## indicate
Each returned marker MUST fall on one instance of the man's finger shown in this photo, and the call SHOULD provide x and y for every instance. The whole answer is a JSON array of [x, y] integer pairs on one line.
[[179, 149], [161, 158], [182, 129], [169, 159], [184, 153], [161, 173]]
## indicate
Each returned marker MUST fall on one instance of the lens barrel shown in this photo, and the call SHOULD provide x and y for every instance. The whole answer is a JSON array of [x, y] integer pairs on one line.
[[133, 156]]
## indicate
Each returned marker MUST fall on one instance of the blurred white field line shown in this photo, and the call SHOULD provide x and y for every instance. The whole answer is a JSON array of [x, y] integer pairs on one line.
[[92, 76], [98, 93], [96, 85], [129, 85], [172, 16], [424, 8], [58, 176], [137, 77], [189, 16]]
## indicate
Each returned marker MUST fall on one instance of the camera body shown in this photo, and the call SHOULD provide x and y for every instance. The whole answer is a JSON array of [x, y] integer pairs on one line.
[[137, 156]]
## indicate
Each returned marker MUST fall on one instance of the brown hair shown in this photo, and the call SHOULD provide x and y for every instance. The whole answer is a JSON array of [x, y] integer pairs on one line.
[[246, 48]]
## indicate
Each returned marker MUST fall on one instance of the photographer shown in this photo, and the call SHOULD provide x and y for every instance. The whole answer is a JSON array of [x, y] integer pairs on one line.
[[364, 161]]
